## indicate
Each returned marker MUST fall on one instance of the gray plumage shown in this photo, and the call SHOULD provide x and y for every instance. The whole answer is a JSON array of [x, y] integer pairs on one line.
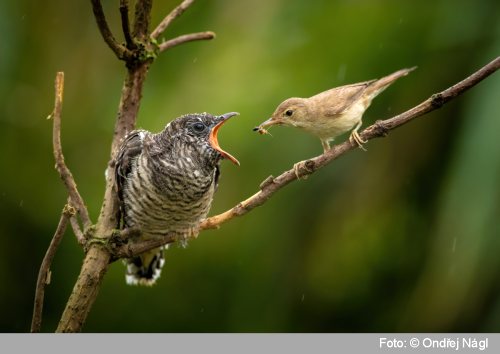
[[166, 182]]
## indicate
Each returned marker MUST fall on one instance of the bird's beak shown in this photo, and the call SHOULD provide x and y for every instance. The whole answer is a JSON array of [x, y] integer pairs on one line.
[[213, 137], [267, 123]]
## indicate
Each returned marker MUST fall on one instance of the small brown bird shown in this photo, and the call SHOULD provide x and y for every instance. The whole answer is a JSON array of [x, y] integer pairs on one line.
[[333, 112]]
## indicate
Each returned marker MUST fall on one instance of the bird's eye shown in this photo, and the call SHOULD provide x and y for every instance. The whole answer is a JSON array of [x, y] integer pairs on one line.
[[289, 113], [198, 127]]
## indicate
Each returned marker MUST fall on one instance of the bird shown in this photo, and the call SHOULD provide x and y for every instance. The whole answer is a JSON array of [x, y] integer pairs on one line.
[[332, 112], [165, 184]]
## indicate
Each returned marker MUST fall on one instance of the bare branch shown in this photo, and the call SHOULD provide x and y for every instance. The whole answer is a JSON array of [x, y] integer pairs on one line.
[[64, 172], [95, 266], [44, 272], [133, 249], [120, 51], [186, 38], [380, 128], [179, 10], [77, 230], [436, 100], [126, 24], [142, 18]]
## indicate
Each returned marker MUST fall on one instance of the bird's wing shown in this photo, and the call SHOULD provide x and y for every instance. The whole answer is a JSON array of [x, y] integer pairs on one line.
[[339, 99], [130, 148]]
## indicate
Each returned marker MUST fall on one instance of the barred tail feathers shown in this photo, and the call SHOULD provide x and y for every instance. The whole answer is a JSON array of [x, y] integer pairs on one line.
[[146, 268]]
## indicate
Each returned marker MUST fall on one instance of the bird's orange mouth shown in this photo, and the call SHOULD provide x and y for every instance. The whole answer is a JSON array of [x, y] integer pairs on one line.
[[215, 142]]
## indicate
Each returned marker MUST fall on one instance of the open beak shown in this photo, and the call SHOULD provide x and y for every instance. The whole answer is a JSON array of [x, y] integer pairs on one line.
[[213, 137], [267, 123]]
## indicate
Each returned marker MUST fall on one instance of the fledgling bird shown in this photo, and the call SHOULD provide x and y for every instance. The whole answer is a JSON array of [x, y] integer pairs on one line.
[[166, 183], [333, 112]]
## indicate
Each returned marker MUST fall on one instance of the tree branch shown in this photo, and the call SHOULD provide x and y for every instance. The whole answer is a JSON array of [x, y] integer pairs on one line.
[[77, 230], [98, 254], [126, 24], [380, 128], [186, 38], [131, 248], [62, 169], [142, 18], [120, 51], [179, 10], [68, 212]]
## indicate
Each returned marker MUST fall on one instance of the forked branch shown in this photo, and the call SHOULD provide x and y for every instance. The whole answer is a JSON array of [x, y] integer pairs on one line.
[[120, 51], [179, 10], [69, 211], [140, 51], [64, 172]]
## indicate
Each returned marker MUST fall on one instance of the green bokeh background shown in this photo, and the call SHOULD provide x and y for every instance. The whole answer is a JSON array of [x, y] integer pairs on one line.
[[404, 237]]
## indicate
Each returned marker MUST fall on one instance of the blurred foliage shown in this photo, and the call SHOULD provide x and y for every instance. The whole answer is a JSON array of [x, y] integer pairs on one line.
[[404, 237]]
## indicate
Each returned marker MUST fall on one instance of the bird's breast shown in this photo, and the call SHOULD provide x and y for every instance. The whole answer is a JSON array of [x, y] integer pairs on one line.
[[167, 197], [331, 126]]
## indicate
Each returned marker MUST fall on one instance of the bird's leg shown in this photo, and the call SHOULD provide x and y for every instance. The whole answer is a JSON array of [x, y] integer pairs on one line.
[[182, 237], [326, 145], [193, 232], [303, 164], [296, 167], [306, 165], [355, 138]]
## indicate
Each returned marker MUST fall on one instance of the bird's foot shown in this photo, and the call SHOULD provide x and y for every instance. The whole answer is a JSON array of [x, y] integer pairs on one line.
[[356, 139], [189, 234], [193, 233], [302, 169]]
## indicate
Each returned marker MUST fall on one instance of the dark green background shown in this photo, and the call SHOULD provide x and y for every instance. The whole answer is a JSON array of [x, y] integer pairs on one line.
[[404, 237]]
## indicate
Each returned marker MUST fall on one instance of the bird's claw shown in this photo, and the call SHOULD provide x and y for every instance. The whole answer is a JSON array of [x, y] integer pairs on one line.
[[355, 138], [296, 168], [303, 165]]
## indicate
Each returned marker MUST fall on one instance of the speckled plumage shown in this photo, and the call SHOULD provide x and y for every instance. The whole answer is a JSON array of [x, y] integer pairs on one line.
[[166, 182]]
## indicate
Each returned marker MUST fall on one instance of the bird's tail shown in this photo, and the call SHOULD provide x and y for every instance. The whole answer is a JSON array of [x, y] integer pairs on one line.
[[146, 268], [381, 84]]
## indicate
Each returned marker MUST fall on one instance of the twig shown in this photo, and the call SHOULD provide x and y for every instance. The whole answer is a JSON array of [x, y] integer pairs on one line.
[[120, 51], [142, 18], [186, 38], [64, 172], [135, 248], [44, 273], [157, 32], [126, 24], [77, 230], [379, 129], [435, 101]]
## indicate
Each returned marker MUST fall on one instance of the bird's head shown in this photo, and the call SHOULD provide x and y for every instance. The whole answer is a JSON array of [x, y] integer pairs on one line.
[[292, 111], [199, 131]]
